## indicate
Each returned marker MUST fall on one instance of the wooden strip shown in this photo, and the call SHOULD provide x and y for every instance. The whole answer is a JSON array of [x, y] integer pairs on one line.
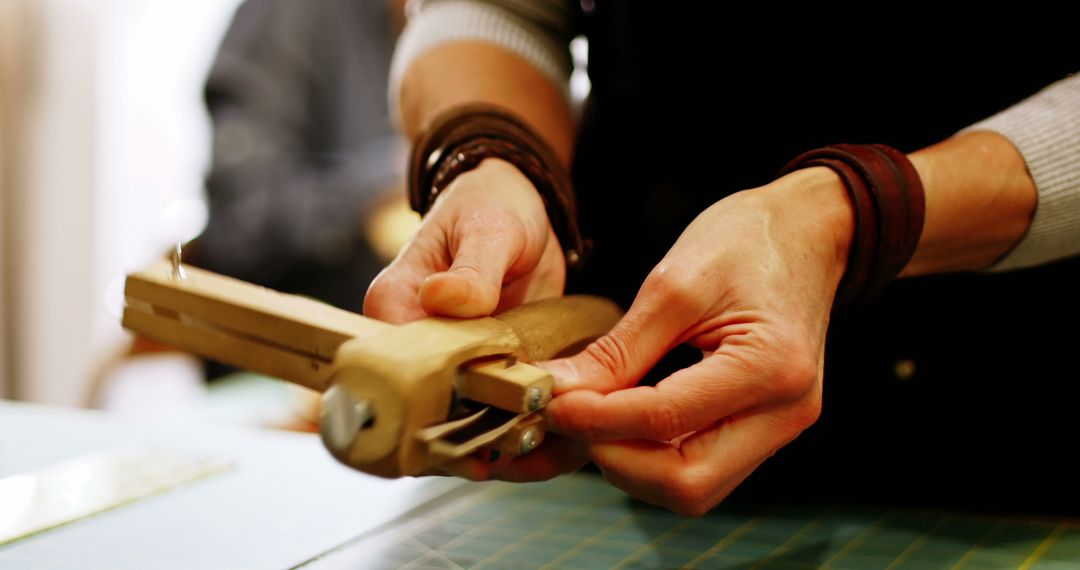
[[445, 450], [297, 323], [507, 384], [429, 434], [236, 351]]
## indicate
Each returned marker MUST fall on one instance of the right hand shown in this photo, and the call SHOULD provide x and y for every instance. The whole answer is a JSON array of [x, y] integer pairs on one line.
[[485, 246]]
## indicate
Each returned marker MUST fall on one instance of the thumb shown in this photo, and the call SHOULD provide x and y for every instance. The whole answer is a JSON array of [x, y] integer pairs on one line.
[[624, 355], [472, 285]]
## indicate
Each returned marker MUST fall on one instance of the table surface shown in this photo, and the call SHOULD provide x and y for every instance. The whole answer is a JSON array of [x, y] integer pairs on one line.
[[581, 522], [283, 501], [286, 504]]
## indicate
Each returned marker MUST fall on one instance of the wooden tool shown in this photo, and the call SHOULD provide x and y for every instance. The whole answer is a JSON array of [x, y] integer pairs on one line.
[[397, 400]]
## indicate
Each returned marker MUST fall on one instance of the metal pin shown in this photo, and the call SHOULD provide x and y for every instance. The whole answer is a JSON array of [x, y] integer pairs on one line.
[[528, 441], [536, 398], [342, 417], [177, 257]]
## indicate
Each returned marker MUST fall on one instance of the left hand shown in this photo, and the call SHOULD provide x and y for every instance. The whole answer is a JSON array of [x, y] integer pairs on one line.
[[751, 283]]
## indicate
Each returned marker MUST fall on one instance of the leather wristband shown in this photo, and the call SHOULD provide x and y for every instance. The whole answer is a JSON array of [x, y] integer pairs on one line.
[[890, 207], [461, 138]]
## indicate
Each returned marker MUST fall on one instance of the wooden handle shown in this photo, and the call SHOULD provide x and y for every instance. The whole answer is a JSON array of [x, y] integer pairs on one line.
[[409, 375], [392, 382], [560, 326]]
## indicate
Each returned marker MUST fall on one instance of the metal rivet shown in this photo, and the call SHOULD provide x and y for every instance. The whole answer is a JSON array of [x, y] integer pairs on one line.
[[528, 441], [904, 369], [342, 418], [433, 158], [536, 398]]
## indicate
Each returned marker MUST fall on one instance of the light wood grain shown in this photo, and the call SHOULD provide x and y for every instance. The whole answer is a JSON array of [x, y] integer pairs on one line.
[[290, 321], [506, 383], [406, 375], [559, 326]]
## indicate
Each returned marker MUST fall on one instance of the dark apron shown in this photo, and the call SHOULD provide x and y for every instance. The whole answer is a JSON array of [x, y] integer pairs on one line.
[[684, 110]]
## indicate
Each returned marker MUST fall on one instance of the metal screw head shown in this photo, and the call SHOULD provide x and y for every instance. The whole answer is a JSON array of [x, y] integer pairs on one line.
[[528, 441], [342, 417], [536, 397]]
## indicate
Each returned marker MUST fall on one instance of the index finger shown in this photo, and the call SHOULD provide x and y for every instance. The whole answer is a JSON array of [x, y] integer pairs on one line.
[[694, 476], [691, 399]]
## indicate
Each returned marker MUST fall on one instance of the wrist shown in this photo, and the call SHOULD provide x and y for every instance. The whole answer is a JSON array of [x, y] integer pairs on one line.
[[461, 138], [495, 183], [888, 203], [814, 202]]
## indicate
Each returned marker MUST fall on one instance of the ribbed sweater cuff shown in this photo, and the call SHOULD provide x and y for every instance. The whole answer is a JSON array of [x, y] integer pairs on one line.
[[1045, 129], [445, 22]]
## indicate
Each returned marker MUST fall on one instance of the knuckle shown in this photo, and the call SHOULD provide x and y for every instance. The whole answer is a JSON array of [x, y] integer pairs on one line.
[[805, 415], [665, 421], [685, 494], [671, 284], [795, 369], [692, 511], [612, 352], [686, 491]]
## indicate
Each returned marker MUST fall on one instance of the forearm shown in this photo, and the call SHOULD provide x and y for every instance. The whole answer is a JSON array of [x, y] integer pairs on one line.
[[465, 72], [979, 203], [1006, 194]]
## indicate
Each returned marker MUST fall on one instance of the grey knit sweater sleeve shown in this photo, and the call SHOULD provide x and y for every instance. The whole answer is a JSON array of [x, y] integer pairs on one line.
[[1045, 128], [537, 30]]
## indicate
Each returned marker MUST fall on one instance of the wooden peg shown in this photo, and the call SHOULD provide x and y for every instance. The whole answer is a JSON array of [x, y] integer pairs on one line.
[[506, 383]]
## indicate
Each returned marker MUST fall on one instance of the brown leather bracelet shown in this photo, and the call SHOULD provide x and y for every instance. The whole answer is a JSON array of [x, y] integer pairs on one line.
[[862, 252], [890, 206], [461, 138]]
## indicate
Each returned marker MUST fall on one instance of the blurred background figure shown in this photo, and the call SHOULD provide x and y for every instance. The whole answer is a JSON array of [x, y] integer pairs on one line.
[[305, 183], [304, 149], [128, 126]]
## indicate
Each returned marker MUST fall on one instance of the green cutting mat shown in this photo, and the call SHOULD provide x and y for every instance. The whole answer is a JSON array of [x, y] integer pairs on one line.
[[582, 522]]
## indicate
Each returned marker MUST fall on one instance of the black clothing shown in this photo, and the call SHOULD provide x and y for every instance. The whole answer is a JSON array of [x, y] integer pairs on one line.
[[684, 110]]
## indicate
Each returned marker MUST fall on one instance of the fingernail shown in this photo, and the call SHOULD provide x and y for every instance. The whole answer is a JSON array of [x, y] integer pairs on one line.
[[455, 297], [564, 372]]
